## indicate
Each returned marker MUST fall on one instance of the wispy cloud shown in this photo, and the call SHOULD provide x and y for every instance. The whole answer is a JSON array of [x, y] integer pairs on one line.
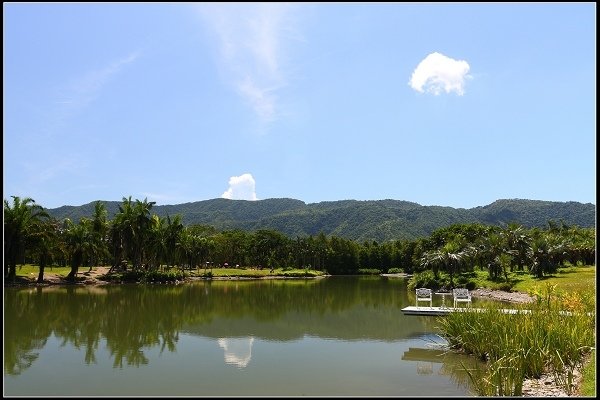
[[251, 40], [55, 166], [437, 73], [83, 90], [241, 187]]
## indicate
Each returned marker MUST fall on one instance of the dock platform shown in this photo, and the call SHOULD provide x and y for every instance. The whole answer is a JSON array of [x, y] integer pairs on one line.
[[439, 311]]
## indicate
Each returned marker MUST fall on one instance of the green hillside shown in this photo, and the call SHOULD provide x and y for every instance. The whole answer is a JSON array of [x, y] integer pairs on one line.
[[378, 220]]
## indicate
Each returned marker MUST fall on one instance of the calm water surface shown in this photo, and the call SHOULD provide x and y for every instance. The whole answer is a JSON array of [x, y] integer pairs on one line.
[[337, 336]]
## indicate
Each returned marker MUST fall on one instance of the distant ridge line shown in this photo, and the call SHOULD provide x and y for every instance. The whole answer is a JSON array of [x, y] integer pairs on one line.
[[361, 220]]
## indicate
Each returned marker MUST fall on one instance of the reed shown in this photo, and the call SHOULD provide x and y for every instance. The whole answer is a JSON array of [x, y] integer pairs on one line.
[[525, 344]]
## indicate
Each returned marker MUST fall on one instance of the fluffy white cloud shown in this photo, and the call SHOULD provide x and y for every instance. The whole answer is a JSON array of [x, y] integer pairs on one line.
[[437, 73], [241, 187]]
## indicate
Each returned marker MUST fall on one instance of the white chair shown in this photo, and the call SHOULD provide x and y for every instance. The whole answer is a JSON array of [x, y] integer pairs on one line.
[[424, 294], [461, 295]]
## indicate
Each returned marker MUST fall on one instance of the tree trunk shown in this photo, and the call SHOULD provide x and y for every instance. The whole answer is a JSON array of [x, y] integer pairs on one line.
[[75, 262], [41, 274], [12, 272], [72, 273]]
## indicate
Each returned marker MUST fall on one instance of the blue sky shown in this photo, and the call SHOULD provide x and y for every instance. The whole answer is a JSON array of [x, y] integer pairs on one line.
[[440, 104]]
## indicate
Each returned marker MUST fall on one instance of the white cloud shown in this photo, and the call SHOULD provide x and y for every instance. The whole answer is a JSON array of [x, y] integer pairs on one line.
[[241, 187], [437, 73], [250, 39], [85, 89], [262, 99]]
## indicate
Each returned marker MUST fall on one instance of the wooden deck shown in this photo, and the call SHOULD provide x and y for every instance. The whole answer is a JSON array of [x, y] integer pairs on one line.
[[437, 311]]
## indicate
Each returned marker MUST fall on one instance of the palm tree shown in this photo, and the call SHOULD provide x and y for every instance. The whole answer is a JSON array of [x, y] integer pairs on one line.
[[19, 223], [141, 228], [99, 229], [173, 231], [131, 227], [122, 232], [80, 245], [490, 254], [46, 245], [518, 242], [449, 257], [155, 244]]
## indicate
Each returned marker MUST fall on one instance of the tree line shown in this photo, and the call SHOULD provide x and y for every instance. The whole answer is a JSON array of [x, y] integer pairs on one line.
[[138, 239]]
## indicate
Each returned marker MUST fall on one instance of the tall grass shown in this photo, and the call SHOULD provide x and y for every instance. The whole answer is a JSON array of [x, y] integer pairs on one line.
[[542, 339]]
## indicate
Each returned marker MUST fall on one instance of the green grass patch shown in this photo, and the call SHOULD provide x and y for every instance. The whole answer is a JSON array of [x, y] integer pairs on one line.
[[32, 271], [570, 279]]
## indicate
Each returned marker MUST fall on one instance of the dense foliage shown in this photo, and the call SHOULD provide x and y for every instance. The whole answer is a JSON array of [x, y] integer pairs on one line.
[[136, 238], [380, 220]]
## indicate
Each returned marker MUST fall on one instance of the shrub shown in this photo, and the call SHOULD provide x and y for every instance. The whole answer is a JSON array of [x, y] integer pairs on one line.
[[427, 279], [368, 271]]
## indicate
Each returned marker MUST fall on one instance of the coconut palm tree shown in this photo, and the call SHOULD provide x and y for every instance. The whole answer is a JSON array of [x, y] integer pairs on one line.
[[20, 221], [81, 245], [173, 231], [46, 245], [122, 232], [141, 228], [99, 229], [131, 227]]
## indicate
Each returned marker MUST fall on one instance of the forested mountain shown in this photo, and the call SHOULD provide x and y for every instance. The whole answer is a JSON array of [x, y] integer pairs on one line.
[[378, 220]]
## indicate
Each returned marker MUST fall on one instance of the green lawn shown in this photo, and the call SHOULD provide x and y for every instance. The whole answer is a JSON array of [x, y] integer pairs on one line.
[[32, 271], [571, 279]]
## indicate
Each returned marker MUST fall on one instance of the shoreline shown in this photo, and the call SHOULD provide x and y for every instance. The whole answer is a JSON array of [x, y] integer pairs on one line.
[[88, 278]]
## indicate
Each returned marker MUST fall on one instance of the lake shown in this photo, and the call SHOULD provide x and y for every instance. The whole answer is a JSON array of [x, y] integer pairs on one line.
[[335, 336]]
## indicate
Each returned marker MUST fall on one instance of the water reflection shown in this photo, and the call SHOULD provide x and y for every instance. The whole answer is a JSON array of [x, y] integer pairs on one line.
[[238, 351], [139, 327], [436, 357]]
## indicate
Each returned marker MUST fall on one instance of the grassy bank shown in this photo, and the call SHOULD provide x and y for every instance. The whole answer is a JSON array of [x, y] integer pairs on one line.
[[31, 272]]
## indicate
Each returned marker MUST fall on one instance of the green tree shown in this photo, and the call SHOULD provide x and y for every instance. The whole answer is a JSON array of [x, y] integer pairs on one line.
[[20, 222], [519, 243], [99, 230], [173, 231], [81, 245], [46, 245], [449, 258]]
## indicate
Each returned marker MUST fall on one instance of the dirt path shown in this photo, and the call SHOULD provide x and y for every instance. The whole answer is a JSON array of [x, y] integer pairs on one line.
[[54, 278], [513, 297]]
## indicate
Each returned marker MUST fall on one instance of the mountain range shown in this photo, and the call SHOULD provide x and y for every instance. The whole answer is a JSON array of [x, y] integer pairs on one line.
[[360, 220]]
